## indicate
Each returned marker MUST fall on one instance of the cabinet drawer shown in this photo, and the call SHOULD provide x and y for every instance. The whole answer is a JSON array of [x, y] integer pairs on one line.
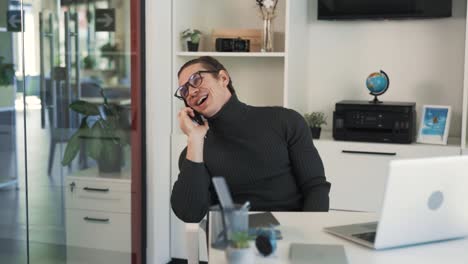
[[98, 230], [97, 195], [358, 171]]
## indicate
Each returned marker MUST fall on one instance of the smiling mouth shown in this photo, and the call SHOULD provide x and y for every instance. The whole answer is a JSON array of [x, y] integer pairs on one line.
[[202, 100]]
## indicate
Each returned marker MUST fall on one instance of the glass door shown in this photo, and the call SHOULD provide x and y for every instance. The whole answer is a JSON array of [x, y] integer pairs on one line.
[[13, 231], [68, 120]]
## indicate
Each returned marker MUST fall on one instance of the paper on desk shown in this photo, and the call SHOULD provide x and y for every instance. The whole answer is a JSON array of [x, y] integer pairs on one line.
[[315, 253]]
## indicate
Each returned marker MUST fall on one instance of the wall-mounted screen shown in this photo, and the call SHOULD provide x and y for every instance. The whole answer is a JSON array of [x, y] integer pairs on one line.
[[383, 9]]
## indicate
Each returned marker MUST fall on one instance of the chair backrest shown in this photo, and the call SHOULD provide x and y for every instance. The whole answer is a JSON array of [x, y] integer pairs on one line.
[[90, 89], [63, 121]]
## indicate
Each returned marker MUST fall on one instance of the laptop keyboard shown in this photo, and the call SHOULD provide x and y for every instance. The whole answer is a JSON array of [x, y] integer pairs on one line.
[[369, 237]]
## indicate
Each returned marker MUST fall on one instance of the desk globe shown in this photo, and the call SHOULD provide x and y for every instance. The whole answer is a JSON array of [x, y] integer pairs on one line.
[[377, 83]]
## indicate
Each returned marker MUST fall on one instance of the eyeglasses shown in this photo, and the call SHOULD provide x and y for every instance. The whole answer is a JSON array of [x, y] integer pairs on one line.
[[195, 80]]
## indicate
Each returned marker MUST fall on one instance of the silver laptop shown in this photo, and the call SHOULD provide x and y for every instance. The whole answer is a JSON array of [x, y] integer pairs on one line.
[[425, 200]]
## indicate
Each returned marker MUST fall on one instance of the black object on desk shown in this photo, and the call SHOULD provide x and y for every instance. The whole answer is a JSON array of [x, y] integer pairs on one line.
[[262, 220]]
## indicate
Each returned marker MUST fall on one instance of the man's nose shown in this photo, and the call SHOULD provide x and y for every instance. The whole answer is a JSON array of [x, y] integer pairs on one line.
[[193, 91]]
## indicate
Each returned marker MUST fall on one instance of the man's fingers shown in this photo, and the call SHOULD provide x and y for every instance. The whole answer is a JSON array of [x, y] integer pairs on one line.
[[187, 111]]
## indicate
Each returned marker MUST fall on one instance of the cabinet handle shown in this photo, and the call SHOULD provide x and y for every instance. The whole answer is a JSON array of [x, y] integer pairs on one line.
[[369, 152], [95, 189], [92, 219]]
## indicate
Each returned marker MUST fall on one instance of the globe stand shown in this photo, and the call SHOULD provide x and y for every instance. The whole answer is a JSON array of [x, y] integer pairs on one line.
[[376, 100]]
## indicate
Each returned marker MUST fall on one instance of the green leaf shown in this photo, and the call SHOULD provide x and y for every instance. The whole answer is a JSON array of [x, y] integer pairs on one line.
[[72, 149], [94, 142], [73, 145], [84, 108]]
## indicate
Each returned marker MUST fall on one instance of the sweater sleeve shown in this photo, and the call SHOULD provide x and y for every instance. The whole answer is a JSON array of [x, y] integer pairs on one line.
[[306, 164], [191, 197]]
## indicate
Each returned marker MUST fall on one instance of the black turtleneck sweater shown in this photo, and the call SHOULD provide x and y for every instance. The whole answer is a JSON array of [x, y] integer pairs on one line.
[[265, 154]]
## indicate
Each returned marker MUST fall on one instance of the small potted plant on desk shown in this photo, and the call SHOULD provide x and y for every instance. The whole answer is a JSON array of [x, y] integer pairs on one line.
[[103, 132], [239, 251], [315, 121], [192, 37]]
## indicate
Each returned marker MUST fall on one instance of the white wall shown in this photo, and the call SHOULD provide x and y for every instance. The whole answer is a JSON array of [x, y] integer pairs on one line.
[[423, 58], [158, 122]]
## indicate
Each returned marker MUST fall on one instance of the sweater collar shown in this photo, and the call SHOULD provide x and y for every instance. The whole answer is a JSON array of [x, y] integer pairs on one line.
[[229, 116]]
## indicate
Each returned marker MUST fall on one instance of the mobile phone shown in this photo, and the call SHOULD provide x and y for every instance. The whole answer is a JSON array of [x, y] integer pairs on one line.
[[197, 118]]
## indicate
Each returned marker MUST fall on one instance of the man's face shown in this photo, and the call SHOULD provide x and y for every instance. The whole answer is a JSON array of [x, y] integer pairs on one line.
[[211, 95]]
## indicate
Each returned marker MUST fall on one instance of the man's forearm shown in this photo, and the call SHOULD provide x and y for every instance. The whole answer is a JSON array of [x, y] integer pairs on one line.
[[317, 199]]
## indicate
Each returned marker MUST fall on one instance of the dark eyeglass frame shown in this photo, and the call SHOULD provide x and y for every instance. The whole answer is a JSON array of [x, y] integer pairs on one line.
[[187, 84]]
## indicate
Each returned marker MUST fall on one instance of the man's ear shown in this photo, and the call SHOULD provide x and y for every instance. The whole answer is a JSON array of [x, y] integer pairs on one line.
[[224, 77]]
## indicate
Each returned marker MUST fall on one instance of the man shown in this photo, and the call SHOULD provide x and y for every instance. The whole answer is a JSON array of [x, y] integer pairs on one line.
[[266, 154]]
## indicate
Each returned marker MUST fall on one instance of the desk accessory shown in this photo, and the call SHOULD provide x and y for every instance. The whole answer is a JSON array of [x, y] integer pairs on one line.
[[266, 241], [266, 219], [316, 253], [234, 217]]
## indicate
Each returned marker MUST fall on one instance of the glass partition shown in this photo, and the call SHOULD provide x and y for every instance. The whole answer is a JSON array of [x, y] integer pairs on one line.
[[67, 131]]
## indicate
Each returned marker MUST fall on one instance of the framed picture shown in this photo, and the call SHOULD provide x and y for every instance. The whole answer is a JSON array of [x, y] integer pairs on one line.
[[434, 125]]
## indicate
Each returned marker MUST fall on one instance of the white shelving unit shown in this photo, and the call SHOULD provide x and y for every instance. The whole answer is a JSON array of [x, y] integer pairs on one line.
[[260, 78], [232, 54]]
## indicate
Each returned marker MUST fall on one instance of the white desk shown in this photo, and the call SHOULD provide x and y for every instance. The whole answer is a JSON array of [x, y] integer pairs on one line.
[[308, 228]]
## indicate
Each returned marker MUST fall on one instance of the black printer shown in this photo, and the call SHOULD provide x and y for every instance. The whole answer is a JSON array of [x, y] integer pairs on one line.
[[392, 122]]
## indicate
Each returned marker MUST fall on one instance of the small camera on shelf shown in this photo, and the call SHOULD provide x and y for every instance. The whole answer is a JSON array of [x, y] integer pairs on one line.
[[232, 45]]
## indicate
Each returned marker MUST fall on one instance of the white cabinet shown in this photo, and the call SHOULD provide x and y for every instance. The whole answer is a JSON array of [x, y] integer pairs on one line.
[[97, 213], [358, 171]]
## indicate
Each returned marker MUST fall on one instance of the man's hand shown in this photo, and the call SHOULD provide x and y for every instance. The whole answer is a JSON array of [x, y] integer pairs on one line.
[[190, 127], [195, 133]]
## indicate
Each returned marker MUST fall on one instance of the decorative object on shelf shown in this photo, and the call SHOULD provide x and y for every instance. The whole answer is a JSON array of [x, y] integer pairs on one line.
[[254, 36], [239, 250], [104, 130], [7, 72], [377, 83], [7, 87], [192, 37], [232, 45], [267, 10], [109, 51], [434, 125], [89, 62], [315, 121]]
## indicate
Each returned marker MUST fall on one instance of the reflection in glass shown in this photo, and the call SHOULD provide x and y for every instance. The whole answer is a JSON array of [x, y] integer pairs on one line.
[[65, 134]]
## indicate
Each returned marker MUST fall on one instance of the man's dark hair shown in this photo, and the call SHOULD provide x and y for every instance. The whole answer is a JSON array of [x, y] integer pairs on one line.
[[211, 64]]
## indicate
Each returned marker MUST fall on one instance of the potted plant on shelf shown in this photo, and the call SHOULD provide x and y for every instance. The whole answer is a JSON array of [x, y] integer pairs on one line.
[[89, 62], [315, 121], [239, 251], [109, 51], [7, 78], [104, 130], [192, 37]]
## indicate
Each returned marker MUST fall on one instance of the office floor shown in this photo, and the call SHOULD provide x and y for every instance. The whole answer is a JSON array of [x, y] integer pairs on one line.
[[46, 204]]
